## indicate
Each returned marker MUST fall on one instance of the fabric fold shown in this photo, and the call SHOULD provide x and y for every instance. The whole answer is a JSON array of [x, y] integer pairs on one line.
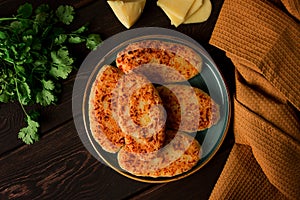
[[277, 154], [293, 7], [263, 43], [230, 186], [265, 39], [261, 101]]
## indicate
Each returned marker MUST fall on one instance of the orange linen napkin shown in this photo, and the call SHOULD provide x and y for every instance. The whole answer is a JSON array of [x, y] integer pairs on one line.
[[263, 42]]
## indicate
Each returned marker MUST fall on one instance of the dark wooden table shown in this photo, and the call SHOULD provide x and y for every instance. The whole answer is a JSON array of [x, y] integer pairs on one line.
[[59, 166]]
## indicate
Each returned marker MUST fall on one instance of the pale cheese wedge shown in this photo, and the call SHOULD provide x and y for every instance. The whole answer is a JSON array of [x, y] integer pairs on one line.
[[174, 19], [201, 15], [127, 11], [176, 11], [178, 8], [195, 6]]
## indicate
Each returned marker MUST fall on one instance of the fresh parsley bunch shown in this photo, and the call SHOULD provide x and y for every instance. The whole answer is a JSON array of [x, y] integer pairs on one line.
[[34, 57]]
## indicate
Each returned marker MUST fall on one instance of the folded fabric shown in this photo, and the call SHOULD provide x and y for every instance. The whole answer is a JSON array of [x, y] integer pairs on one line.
[[293, 6], [263, 43]]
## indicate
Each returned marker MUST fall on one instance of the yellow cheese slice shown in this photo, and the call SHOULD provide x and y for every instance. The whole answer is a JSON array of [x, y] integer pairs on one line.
[[201, 15], [178, 8], [195, 6], [174, 19], [127, 11]]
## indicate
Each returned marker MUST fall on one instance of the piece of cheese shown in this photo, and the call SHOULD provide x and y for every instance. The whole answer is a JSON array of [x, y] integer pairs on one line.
[[201, 15], [178, 8], [195, 6], [127, 11], [174, 19]]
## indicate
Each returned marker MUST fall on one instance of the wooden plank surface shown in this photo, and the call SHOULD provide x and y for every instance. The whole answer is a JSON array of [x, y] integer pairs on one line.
[[59, 166]]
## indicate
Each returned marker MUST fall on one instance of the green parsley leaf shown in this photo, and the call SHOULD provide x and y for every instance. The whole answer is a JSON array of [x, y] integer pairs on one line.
[[25, 10], [29, 134], [35, 28], [2, 35], [39, 62], [4, 98], [65, 14], [26, 23], [49, 85], [20, 69], [25, 92], [27, 39], [60, 39], [81, 30], [60, 71], [45, 97], [61, 57], [43, 8], [76, 39], [93, 41], [41, 18], [62, 63], [16, 26]]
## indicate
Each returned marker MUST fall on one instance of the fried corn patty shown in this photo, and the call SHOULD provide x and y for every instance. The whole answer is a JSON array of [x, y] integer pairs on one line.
[[140, 114], [103, 125], [181, 152], [188, 108], [161, 62]]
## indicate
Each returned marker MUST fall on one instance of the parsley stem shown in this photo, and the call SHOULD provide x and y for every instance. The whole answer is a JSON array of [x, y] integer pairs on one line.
[[8, 19], [4, 27], [18, 92], [19, 98]]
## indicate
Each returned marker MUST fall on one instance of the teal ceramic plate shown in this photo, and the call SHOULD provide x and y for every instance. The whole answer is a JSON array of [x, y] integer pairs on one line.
[[209, 80]]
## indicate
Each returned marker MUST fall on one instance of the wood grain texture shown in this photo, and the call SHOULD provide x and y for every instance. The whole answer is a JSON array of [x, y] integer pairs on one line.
[[11, 120], [9, 7], [60, 168]]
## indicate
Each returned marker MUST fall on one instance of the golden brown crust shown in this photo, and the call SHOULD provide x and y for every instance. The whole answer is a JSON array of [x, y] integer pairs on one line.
[[161, 61], [125, 110], [104, 127], [188, 108], [180, 154], [140, 114]]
